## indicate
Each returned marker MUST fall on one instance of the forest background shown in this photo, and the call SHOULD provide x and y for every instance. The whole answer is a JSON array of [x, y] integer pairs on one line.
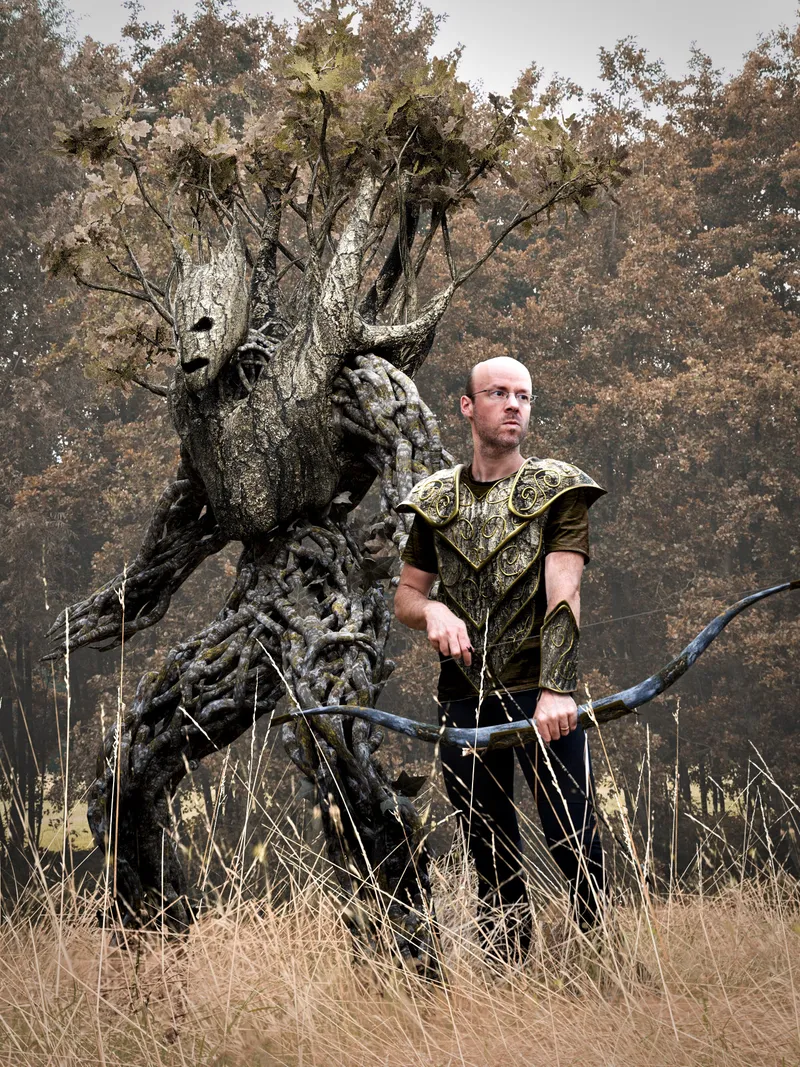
[[661, 334]]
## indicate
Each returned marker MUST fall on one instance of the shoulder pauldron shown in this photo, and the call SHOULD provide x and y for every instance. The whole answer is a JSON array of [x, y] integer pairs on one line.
[[435, 498], [540, 481]]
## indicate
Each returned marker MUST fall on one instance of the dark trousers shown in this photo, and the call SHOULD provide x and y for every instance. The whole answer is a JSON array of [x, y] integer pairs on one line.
[[482, 791]]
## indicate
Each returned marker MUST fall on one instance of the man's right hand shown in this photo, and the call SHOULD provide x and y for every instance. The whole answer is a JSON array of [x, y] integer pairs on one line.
[[447, 633]]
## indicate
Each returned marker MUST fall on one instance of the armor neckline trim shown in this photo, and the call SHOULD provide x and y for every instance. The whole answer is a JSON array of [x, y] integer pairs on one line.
[[498, 548], [578, 478]]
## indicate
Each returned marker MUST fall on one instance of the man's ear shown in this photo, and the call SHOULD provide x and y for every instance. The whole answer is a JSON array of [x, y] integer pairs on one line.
[[466, 406]]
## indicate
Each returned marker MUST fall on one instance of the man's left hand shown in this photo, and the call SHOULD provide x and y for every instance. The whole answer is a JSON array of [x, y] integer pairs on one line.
[[556, 715]]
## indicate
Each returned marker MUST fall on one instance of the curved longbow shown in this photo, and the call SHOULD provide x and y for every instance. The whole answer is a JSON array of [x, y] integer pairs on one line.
[[507, 735]]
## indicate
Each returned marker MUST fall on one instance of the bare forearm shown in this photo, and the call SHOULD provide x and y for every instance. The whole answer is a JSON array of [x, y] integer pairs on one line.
[[410, 607], [563, 573], [446, 633]]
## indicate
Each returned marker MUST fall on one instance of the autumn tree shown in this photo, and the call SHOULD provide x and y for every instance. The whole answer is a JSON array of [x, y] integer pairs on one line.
[[40, 87]]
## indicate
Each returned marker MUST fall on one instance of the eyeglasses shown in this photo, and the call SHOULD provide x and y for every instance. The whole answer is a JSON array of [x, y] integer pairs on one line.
[[499, 396]]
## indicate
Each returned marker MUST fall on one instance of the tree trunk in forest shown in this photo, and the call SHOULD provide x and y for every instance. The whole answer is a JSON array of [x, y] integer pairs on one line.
[[703, 782]]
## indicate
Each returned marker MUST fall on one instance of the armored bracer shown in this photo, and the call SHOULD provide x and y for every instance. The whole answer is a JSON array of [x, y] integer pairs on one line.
[[559, 639]]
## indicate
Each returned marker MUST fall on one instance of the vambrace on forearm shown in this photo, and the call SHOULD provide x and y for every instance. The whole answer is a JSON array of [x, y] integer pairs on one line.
[[559, 639]]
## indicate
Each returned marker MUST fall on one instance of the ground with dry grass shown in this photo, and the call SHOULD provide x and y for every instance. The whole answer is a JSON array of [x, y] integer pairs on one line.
[[270, 974], [687, 980]]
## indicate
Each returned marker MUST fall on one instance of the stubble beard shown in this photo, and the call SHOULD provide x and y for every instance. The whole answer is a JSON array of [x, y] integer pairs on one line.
[[495, 445]]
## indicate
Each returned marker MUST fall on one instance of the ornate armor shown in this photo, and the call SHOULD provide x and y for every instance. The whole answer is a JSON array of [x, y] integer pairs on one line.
[[559, 650], [489, 553]]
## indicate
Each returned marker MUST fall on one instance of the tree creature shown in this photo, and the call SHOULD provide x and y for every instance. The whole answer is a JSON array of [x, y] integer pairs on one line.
[[291, 394]]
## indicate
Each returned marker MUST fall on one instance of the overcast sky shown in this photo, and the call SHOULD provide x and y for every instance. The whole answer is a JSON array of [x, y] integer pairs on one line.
[[501, 37]]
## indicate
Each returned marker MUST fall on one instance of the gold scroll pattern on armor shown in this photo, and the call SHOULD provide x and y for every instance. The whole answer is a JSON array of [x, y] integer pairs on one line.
[[493, 595], [539, 482], [508, 626], [559, 650], [484, 589], [436, 497], [485, 525]]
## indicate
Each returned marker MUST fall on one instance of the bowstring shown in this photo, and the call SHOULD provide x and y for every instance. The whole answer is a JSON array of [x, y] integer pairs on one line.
[[586, 626]]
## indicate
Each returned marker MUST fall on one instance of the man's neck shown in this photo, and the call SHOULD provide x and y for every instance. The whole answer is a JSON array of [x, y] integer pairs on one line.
[[490, 468]]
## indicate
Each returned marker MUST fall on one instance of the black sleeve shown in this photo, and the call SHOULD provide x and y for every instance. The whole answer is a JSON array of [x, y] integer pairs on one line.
[[419, 550], [567, 527]]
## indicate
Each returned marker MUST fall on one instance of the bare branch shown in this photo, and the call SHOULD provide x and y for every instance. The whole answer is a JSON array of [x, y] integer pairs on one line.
[[409, 301], [165, 220], [332, 324], [374, 242], [402, 344], [381, 290], [131, 277], [323, 145], [264, 283], [154, 343], [436, 217], [246, 207], [173, 273], [523, 215], [129, 376], [146, 285], [328, 219], [470, 180], [399, 344], [448, 250], [111, 289], [294, 261], [312, 185], [300, 212], [439, 210]]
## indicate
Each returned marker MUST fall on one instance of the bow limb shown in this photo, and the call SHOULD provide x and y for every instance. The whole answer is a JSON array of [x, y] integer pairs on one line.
[[613, 707], [507, 735]]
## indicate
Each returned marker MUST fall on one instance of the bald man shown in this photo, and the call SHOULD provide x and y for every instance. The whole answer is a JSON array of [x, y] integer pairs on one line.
[[508, 539]]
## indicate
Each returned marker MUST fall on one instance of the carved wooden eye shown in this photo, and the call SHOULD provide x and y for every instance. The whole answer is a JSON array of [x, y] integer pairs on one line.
[[203, 325]]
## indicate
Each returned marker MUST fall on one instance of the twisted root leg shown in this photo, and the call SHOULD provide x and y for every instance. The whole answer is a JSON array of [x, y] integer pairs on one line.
[[297, 621], [336, 655], [206, 694]]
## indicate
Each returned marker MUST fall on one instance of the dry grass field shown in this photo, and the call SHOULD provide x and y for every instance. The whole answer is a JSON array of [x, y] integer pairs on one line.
[[673, 977], [708, 980]]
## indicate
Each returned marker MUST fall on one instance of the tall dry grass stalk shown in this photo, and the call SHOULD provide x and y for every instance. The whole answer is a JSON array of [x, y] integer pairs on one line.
[[707, 977], [261, 985]]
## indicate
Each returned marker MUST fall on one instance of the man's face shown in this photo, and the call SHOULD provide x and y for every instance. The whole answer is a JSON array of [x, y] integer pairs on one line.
[[498, 424]]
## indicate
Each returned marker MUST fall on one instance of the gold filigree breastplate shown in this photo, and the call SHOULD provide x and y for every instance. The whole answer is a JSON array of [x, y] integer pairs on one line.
[[489, 553], [489, 572]]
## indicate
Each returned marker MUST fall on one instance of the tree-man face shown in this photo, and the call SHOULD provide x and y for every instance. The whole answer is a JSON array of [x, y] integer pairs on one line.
[[499, 407]]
